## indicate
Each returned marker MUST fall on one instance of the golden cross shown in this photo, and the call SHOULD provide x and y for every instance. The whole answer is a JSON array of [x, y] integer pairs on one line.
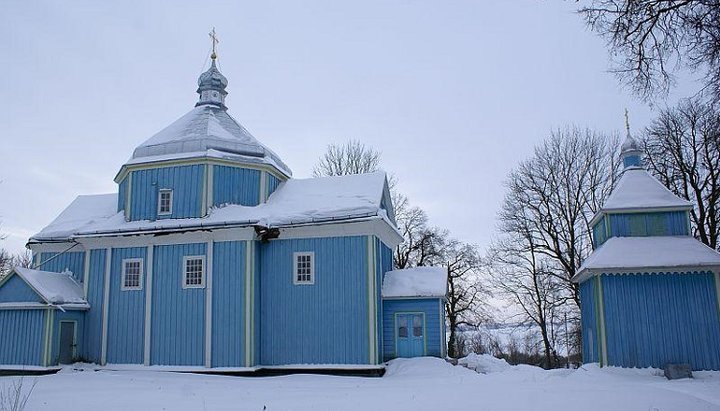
[[215, 41], [627, 121]]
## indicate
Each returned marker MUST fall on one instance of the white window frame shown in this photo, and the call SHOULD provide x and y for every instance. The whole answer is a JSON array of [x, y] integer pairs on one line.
[[295, 267], [125, 262], [203, 275], [159, 204]]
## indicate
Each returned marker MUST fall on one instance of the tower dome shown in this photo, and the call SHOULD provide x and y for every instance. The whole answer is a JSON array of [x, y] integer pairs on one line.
[[630, 151], [211, 87]]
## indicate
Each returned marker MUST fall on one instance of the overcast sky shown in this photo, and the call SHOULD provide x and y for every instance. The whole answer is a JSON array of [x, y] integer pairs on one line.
[[453, 93]]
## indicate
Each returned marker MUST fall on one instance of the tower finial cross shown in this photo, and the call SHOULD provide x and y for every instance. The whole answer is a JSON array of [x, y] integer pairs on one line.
[[627, 121], [215, 41]]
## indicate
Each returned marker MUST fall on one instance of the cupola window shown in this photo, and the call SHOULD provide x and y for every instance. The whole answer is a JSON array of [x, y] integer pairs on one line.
[[165, 198]]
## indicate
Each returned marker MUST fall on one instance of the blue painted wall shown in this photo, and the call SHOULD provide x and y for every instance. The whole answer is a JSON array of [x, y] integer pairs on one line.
[[434, 323], [589, 320], [652, 320], [24, 344], [15, 289], [126, 314], [228, 342], [93, 318], [122, 194], [629, 161], [273, 183], [236, 185], [649, 224], [178, 314], [185, 181], [383, 259], [79, 318], [326, 322], [71, 260]]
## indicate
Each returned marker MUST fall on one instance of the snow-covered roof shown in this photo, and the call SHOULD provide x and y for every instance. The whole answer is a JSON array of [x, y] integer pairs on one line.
[[637, 189], [84, 212], [415, 282], [296, 201], [55, 288], [656, 253], [204, 129]]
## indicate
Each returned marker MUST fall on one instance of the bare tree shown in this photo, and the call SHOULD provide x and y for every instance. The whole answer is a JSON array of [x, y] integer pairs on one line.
[[562, 186], [6, 260], [464, 304], [352, 157], [522, 275], [683, 152], [650, 40]]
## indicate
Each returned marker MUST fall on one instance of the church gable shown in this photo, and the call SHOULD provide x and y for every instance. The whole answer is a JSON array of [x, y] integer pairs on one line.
[[15, 290]]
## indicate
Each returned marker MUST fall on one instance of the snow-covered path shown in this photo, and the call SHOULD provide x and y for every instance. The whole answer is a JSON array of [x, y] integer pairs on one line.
[[417, 384]]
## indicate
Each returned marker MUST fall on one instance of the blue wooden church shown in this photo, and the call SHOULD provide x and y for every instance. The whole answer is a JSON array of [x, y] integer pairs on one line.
[[211, 255], [650, 292]]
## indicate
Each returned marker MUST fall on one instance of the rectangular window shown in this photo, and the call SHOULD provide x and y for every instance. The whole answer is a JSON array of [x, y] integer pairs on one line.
[[194, 268], [304, 268], [165, 200], [132, 274], [417, 326]]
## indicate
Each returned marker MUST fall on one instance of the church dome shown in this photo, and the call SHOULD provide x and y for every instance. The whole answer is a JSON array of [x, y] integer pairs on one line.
[[207, 131], [630, 144]]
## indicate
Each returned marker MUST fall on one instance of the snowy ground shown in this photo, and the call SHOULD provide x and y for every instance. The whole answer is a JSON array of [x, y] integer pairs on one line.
[[416, 384]]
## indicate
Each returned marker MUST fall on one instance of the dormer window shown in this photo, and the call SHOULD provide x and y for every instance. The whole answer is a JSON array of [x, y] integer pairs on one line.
[[165, 197]]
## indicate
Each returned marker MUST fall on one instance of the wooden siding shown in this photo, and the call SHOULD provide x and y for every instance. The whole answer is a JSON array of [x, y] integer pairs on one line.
[[228, 317], [434, 329], [93, 318], [649, 224], [185, 181], [272, 183], [660, 318], [236, 185], [326, 322], [122, 194], [126, 312], [79, 318], [70, 260], [24, 345], [589, 321], [383, 259], [178, 314], [15, 290]]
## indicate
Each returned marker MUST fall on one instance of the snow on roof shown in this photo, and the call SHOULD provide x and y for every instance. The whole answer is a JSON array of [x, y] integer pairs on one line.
[[84, 211], [202, 129], [637, 189], [633, 253], [415, 282], [296, 201], [54, 288]]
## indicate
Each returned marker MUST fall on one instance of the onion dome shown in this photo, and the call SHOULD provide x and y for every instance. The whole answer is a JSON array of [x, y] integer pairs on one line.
[[211, 87], [630, 151]]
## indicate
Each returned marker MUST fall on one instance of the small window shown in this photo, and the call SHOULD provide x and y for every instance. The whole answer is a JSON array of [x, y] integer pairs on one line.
[[165, 200], [417, 326], [132, 273], [194, 269], [304, 268], [402, 327]]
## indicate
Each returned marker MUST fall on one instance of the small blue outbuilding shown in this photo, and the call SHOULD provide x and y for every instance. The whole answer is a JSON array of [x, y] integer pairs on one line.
[[414, 312], [650, 292]]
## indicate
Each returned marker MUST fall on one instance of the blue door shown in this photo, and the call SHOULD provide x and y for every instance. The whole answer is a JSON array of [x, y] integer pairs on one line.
[[410, 334]]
